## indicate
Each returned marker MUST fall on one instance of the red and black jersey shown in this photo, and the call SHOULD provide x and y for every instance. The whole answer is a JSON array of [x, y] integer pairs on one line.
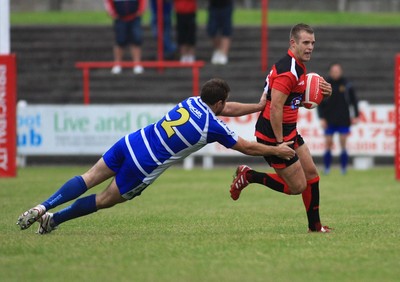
[[287, 76]]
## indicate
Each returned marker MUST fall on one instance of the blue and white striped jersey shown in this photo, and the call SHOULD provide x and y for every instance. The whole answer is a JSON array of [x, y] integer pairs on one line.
[[188, 127]]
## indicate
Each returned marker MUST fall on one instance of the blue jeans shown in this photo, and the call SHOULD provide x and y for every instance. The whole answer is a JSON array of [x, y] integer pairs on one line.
[[169, 45]]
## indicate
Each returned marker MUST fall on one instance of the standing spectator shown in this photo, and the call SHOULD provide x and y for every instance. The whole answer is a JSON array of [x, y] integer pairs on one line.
[[219, 28], [169, 45], [186, 29], [128, 30], [335, 115]]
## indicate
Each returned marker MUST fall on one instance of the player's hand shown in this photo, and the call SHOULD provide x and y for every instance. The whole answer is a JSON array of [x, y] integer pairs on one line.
[[354, 121], [284, 151], [325, 87], [263, 101]]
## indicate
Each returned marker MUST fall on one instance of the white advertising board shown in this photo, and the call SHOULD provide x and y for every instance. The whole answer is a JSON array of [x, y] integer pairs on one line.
[[90, 130]]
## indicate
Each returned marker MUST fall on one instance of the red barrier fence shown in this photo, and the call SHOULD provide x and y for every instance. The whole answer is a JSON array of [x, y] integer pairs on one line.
[[397, 104], [87, 66], [8, 131]]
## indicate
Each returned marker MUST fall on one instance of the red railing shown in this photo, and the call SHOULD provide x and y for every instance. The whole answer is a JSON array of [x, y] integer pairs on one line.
[[264, 35], [87, 66], [397, 118]]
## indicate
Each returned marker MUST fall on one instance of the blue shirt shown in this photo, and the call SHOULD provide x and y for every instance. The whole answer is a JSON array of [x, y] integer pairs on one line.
[[187, 128]]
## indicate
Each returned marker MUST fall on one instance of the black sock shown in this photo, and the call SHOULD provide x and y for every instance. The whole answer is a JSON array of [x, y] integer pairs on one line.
[[311, 203], [271, 180]]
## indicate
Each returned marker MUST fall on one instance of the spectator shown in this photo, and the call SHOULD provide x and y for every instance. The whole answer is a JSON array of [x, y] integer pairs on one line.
[[127, 29], [186, 29], [336, 117], [169, 45], [219, 29]]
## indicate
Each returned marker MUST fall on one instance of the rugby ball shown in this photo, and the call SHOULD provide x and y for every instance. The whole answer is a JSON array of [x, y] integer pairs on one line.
[[313, 95]]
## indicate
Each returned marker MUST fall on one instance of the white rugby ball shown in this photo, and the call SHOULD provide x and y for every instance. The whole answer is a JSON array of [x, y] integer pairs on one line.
[[313, 95]]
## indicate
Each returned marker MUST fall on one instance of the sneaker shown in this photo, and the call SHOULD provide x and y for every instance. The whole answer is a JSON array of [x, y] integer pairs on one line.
[[183, 59], [239, 181], [29, 217], [138, 69], [222, 59], [191, 58], [46, 224], [215, 57], [116, 70], [324, 229]]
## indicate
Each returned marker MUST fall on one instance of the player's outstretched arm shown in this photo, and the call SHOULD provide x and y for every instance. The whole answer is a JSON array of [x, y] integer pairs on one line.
[[235, 109], [257, 149]]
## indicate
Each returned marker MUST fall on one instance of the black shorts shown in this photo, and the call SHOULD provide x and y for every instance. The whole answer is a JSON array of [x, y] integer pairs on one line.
[[186, 29], [290, 133]]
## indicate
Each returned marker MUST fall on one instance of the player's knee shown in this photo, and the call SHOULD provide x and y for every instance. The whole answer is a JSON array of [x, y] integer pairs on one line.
[[298, 188], [311, 173], [104, 201], [108, 199]]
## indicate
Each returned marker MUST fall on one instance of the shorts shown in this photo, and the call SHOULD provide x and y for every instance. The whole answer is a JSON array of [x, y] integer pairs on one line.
[[186, 29], [128, 32], [220, 20], [268, 138], [331, 129], [277, 162], [118, 159]]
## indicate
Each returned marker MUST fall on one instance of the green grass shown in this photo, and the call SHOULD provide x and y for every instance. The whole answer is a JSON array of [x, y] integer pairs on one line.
[[241, 17], [186, 228]]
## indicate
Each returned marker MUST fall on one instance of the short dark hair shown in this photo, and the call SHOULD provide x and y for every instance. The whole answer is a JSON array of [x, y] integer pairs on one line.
[[334, 64], [214, 90], [296, 29]]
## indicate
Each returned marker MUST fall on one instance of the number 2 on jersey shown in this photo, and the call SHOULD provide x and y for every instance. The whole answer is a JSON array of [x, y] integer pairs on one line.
[[168, 124]]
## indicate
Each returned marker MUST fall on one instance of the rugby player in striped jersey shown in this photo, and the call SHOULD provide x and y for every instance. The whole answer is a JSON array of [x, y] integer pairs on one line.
[[137, 159]]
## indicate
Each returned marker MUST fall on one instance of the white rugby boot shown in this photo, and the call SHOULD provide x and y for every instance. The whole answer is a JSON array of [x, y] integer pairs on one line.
[[29, 217]]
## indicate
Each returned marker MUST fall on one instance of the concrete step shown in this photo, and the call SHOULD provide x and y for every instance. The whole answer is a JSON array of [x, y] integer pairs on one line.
[[46, 63]]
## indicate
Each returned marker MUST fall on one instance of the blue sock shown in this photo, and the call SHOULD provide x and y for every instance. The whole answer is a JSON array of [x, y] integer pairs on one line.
[[72, 189], [327, 160], [344, 159], [80, 207]]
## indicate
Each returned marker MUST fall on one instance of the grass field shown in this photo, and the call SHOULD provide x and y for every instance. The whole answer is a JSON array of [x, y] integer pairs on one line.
[[186, 228], [241, 17]]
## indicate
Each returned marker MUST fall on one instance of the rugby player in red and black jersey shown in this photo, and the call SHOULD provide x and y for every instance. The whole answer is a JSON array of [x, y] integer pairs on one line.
[[284, 87]]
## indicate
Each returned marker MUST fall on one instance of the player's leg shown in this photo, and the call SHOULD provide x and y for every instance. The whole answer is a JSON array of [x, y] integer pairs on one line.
[[78, 185], [328, 151], [344, 157], [70, 190], [311, 194], [81, 207], [289, 177], [289, 180]]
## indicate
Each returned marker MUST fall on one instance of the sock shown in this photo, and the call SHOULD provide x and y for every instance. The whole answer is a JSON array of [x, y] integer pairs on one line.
[[311, 203], [327, 160], [72, 189], [80, 207], [344, 159], [271, 180]]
